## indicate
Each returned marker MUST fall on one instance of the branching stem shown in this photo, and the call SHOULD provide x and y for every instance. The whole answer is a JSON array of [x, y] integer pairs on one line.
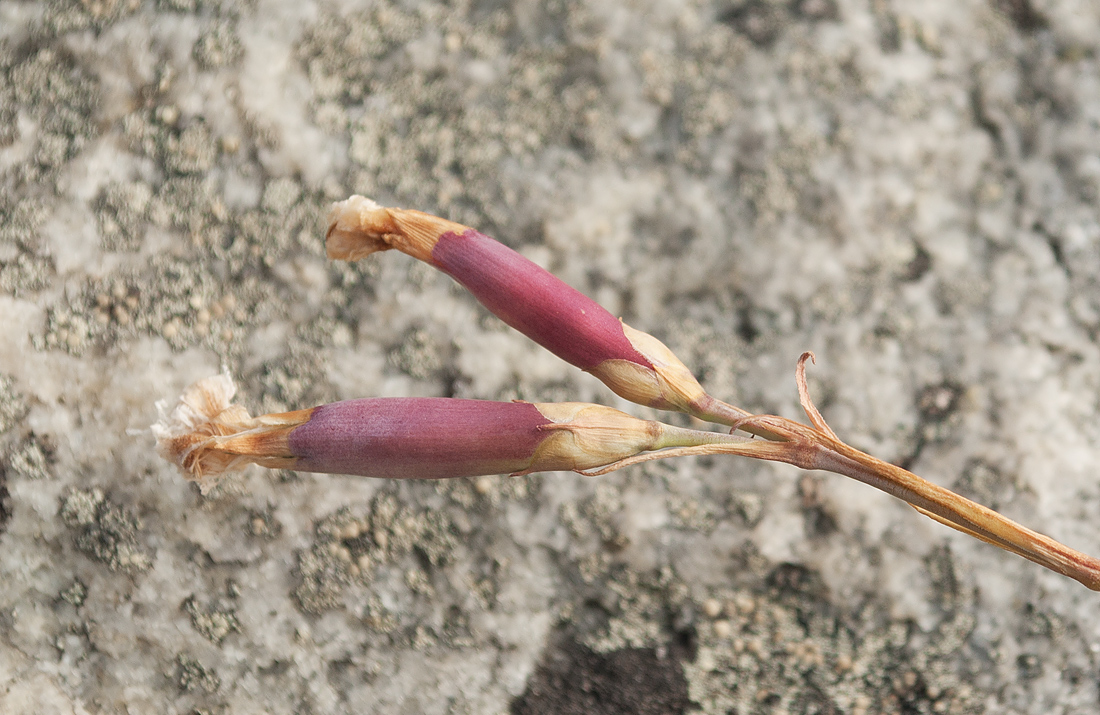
[[818, 447]]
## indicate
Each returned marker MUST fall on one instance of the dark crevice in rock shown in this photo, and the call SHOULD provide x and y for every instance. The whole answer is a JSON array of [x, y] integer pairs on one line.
[[574, 680], [1022, 13]]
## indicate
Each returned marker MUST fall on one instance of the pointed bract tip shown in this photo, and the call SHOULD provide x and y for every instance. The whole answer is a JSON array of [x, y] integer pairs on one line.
[[357, 228], [661, 381]]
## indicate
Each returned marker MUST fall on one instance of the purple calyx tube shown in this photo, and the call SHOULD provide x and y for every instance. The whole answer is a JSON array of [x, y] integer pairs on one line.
[[418, 438], [534, 301]]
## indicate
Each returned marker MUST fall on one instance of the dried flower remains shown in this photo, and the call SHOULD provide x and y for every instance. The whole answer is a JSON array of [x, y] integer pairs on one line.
[[206, 435], [635, 365]]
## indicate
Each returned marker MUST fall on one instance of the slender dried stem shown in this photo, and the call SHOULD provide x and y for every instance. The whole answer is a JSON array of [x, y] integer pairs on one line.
[[818, 447]]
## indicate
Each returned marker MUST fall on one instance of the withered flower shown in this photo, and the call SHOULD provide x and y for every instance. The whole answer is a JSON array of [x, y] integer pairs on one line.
[[635, 365], [206, 435]]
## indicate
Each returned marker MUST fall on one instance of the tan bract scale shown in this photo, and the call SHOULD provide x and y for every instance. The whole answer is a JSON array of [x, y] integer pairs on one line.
[[677, 385], [667, 385], [631, 381], [586, 434]]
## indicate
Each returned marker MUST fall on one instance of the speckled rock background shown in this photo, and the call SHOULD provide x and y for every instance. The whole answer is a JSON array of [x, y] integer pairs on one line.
[[908, 189]]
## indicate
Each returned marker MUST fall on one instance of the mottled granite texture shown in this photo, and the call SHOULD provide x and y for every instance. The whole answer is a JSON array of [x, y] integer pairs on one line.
[[908, 189]]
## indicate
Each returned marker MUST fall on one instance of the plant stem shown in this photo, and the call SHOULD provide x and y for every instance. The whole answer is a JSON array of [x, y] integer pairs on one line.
[[818, 447]]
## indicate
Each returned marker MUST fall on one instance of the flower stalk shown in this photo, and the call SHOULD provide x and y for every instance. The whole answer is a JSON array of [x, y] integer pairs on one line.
[[206, 435]]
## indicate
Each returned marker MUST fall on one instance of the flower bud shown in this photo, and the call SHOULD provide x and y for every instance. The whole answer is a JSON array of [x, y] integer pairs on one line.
[[403, 437], [635, 365]]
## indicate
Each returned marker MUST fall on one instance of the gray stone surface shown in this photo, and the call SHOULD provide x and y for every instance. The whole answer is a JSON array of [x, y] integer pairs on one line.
[[908, 189]]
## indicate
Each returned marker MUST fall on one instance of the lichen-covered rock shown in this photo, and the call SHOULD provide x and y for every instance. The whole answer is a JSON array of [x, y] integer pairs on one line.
[[910, 190]]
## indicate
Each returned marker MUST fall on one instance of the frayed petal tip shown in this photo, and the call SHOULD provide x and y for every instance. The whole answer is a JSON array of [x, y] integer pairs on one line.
[[188, 436]]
